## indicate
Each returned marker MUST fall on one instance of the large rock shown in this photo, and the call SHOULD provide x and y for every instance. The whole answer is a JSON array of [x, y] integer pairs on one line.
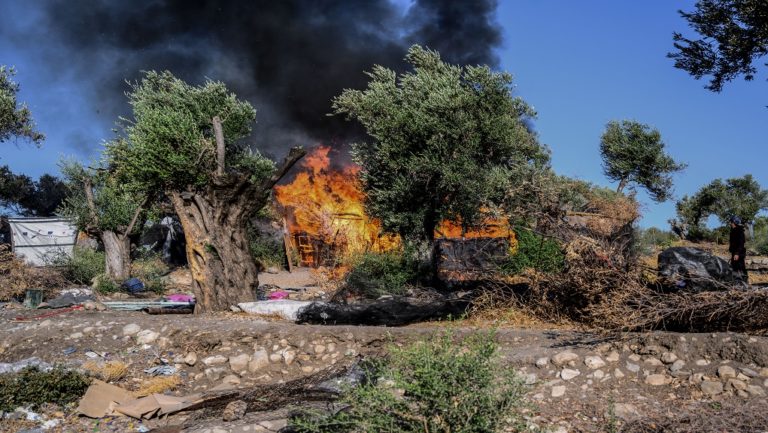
[[563, 358], [147, 336], [695, 270], [239, 363], [131, 329]]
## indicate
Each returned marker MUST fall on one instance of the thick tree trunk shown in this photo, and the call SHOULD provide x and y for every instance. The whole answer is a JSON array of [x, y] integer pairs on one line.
[[117, 250], [223, 271], [215, 228]]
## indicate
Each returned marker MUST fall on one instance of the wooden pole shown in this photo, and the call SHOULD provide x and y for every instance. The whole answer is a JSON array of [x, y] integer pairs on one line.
[[220, 152]]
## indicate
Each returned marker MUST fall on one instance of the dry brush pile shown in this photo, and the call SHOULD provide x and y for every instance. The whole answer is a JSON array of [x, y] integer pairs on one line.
[[605, 286]]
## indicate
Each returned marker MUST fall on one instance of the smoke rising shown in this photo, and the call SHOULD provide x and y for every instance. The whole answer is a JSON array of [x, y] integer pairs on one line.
[[289, 58]]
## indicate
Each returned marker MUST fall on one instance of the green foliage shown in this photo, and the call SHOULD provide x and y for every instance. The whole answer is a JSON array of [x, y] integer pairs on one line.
[[633, 152], [150, 269], [742, 197], [440, 385], [653, 238], [115, 202], [387, 273], [759, 241], [535, 252], [30, 197], [734, 35], [15, 119], [446, 142], [106, 285], [35, 388], [267, 250], [170, 143], [83, 266]]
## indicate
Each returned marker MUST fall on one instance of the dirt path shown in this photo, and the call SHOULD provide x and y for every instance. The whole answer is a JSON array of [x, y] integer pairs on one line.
[[578, 382]]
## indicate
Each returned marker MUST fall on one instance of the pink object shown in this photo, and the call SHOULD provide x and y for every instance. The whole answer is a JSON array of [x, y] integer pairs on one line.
[[280, 294], [180, 297]]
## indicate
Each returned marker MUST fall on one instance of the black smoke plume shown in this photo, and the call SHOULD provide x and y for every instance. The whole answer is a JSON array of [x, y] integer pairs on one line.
[[289, 58]]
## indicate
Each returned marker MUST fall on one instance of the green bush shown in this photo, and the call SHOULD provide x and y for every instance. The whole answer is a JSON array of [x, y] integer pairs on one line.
[[534, 252], [83, 266], [150, 269], [387, 273], [34, 387], [439, 385], [759, 241], [104, 285], [267, 250]]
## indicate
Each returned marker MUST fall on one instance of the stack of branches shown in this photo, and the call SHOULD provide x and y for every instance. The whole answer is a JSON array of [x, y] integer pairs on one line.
[[605, 286], [16, 277]]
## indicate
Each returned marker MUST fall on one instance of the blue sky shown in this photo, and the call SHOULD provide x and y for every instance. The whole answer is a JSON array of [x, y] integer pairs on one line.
[[580, 64]]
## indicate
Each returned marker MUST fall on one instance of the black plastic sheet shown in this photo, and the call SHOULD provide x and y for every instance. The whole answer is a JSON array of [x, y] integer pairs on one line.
[[692, 269]]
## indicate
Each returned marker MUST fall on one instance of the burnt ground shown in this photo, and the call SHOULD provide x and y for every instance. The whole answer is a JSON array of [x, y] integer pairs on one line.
[[579, 382]]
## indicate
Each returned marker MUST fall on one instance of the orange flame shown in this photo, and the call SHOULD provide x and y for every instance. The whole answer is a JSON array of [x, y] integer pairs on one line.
[[324, 210]]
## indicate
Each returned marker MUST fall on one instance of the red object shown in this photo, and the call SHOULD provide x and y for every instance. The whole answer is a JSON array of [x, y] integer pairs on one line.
[[280, 294], [52, 313]]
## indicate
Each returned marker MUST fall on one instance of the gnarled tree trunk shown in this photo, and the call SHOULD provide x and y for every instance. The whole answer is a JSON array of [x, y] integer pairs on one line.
[[117, 250], [215, 228]]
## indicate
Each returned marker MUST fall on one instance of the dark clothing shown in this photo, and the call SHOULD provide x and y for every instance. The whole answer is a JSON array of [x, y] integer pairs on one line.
[[736, 246]]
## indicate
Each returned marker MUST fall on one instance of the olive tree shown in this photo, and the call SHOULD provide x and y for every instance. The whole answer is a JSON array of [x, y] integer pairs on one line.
[[633, 152], [15, 119], [445, 142], [104, 207], [186, 141]]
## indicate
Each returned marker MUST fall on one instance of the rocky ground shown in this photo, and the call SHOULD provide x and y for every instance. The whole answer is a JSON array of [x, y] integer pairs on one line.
[[578, 381]]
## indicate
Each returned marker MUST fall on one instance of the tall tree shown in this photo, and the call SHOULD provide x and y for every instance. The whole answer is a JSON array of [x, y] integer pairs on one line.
[[185, 141], [734, 36], [103, 206], [742, 197], [446, 142], [29, 197], [15, 118], [634, 153]]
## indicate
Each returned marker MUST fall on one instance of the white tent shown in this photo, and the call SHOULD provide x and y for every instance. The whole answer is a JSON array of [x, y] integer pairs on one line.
[[36, 240]]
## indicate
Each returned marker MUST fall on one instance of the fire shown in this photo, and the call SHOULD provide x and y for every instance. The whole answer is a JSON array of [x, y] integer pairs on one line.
[[325, 215], [326, 220]]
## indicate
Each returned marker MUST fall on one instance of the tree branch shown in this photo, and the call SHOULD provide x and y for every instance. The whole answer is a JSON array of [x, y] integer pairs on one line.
[[136, 214], [292, 158], [220, 150], [88, 186]]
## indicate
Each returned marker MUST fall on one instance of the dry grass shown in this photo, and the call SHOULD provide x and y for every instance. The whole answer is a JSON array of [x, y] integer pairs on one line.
[[158, 385], [111, 371], [16, 277]]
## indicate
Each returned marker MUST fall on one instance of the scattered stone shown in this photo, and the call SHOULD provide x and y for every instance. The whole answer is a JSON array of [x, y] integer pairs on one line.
[[651, 350], [618, 374], [234, 410], [289, 356], [214, 373], [558, 391], [612, 357], [190, 359], [702, 362], [215, 360], [76, 335], [239, 363], [634, 357], [276, 357], [568, 374], [529, 378], [625, 411], [749, 372], [542, 362], [598, 374], [563, 358], [668, 357], [657, 380], [737, 384], [634, 368], [146, 336], [756, 391], [231, 380], [131, 329], [677, 366], [711, 387], [594, 362], [259, 361], [726, 372], [319, 349], [653, 362], [764, 372]]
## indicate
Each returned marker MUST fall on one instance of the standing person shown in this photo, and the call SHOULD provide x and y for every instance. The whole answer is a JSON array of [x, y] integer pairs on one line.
[[737, 248]]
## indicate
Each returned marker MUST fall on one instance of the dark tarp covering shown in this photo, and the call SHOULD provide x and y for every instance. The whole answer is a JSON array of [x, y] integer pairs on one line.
[[394, 311], [692, 269]]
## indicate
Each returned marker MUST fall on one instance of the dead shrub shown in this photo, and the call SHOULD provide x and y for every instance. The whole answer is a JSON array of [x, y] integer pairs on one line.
[[111, 371], [158, 385]]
